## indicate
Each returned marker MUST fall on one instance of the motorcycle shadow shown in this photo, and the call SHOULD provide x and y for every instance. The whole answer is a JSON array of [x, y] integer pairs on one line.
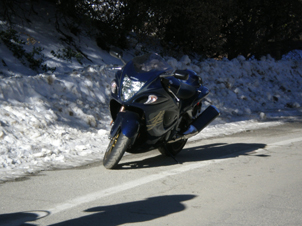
[[195, 154]]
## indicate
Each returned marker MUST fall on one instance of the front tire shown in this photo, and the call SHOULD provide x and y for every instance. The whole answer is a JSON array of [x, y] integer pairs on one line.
[[172, 148], [115, 150]]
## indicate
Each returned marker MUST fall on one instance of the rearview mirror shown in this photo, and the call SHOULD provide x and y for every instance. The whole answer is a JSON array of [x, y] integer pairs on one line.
[[182, 75], [117, 53]]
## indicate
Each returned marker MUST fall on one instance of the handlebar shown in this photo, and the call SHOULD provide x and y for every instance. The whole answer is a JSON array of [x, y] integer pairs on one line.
[[179, 74]]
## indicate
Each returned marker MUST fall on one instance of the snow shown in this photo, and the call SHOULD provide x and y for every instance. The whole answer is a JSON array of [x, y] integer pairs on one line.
[[61, 119]]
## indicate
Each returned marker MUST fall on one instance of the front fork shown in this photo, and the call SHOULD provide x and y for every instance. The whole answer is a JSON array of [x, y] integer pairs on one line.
[[128, 123]]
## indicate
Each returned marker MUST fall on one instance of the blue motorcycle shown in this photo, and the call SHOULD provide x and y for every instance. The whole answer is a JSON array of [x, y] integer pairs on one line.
[[154, 107]]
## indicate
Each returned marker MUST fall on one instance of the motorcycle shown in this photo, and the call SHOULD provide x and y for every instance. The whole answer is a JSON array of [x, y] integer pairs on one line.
[[154, 107]]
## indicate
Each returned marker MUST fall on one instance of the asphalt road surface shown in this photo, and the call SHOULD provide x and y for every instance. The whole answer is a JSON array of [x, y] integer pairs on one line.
[[251, 178]]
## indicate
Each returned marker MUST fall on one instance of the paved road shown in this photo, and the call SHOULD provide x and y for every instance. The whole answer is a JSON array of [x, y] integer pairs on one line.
[[251, 178]]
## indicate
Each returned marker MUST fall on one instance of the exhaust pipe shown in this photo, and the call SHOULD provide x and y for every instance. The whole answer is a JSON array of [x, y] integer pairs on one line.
[[202, 121], [206, 117]]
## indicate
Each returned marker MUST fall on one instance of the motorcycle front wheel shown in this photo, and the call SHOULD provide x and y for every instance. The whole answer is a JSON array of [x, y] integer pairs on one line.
[[172, 148], [115, 150]]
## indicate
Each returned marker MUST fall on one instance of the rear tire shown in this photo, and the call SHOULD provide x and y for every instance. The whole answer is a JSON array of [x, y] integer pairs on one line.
[[172, 148], [115, 150]]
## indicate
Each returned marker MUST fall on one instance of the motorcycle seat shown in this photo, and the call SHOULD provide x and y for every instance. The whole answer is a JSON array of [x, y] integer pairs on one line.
[[185, 91]]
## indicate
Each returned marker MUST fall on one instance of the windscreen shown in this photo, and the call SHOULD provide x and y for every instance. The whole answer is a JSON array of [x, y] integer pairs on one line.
[[149, 62]]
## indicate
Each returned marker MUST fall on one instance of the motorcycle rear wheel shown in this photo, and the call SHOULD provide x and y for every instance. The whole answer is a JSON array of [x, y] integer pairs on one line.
[[115, 150], [172, 148]]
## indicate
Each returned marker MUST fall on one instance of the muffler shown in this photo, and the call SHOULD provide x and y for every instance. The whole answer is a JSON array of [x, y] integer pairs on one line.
[[204, 119]]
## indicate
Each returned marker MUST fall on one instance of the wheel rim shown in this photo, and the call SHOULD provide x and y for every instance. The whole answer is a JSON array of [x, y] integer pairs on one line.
[[113, 143]]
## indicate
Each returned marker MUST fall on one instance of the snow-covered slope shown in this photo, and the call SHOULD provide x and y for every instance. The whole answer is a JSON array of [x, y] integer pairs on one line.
[[61, 119]]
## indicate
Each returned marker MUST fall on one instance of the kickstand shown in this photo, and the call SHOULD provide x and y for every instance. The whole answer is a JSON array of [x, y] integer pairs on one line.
[[173, 157]]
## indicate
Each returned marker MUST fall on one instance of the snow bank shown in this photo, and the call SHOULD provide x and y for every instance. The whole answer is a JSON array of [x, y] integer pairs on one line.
[[53, 120]]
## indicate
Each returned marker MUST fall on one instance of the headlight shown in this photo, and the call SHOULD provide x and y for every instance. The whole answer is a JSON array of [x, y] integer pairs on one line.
[[113, 87], [130, 87]]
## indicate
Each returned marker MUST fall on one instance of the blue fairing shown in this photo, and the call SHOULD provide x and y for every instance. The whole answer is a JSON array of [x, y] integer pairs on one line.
[[128, 123]]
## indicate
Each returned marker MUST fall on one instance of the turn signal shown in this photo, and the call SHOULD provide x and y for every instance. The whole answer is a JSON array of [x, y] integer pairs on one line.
[[151, 99], [113, 87]]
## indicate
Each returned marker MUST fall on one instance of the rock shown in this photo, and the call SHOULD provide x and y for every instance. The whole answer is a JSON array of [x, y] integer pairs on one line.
[[1, 134], [185, 60], [293, 105], [262, 115], [275, 98]]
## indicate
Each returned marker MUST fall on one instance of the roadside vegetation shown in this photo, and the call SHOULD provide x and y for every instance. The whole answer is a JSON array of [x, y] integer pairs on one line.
[[212, 29]]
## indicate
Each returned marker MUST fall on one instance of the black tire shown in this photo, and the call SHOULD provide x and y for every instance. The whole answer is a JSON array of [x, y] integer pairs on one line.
[[172, 148], [115, 150]]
